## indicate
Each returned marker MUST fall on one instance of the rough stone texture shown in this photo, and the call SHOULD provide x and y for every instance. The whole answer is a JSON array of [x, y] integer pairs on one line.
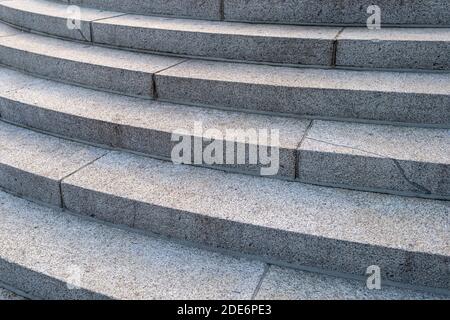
[[377, 156], [330, 228], [415, 48], [50, 17], [268, 43], [418, 12], [8, 295], [32, 164], [43, 250], [386, 96], [117, 70], [288, 284], [205, 9], [136, 124]]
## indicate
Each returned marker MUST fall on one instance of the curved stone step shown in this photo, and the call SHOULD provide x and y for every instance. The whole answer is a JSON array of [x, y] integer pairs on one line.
[[417, 98], [49, 254], [339, 12], [238, 212], [388, 48], [410, 161]]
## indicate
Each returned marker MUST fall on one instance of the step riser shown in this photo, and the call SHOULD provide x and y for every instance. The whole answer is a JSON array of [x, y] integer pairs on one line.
[[278, 245], [308, 102], [342, 12]]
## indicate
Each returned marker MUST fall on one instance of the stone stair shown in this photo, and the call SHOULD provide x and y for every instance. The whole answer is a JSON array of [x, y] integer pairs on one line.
[[87, 118]]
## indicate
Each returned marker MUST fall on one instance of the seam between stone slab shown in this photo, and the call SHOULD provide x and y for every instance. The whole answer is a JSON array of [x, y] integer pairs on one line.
[[260, 282], [60, 182], [297, 152], [395, 161]]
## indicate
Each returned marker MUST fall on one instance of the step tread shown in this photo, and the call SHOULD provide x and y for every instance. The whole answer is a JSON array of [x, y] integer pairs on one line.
[[145, 267], [222, 27], [401, 223]]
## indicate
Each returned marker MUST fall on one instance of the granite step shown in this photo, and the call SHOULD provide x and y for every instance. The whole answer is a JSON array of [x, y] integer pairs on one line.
[[50, 254], [388, 97], [235, 212], [337, 12], [391, 159], [388, 48]]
